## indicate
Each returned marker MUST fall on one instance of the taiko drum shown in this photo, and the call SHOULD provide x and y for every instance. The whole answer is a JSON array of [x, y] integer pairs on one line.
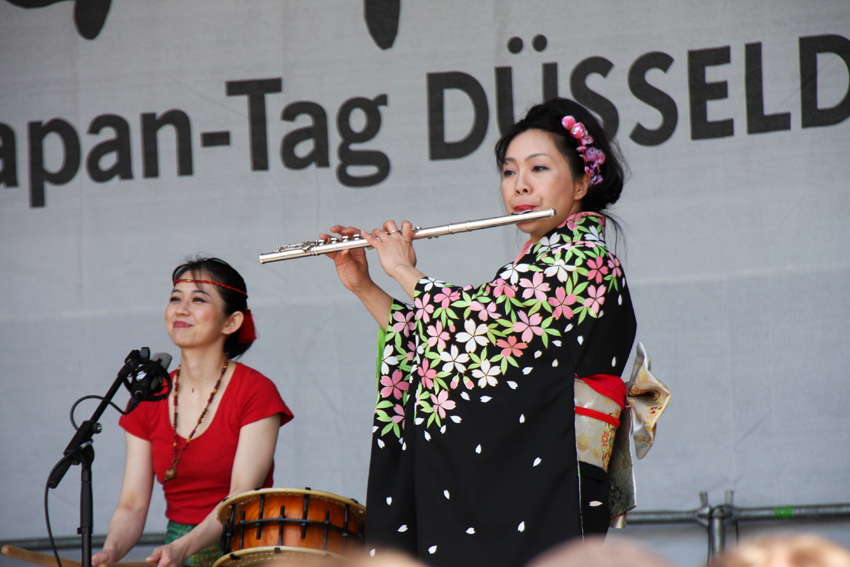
[[292, 518]]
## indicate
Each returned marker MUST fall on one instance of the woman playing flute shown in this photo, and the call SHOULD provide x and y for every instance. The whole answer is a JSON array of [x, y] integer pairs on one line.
[[475, 453]]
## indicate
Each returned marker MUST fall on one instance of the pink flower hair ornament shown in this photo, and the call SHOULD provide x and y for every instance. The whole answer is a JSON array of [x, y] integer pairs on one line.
[[592, 156]]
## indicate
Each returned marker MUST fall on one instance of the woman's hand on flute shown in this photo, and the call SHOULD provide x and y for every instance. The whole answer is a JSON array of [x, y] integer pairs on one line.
[[353, 271], [395, 251], [351, 264]]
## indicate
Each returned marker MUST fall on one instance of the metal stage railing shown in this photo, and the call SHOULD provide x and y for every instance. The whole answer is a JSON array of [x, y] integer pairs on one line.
[[718, 519], [715, 519]]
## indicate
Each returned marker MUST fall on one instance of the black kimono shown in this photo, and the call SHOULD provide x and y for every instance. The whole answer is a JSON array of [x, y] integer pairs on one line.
[[473, 455]]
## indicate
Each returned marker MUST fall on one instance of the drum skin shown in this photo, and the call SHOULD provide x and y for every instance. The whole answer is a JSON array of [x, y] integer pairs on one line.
[[269, 556]]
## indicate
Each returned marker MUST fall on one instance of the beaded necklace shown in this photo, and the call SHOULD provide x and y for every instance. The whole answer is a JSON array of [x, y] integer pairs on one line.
[[171, 473]]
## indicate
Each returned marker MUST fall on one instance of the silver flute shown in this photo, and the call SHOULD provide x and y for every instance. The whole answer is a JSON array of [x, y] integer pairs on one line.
[[335, 244]]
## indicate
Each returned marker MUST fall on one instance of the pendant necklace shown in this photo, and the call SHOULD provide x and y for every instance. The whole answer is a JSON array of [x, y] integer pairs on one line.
[[171, 473]]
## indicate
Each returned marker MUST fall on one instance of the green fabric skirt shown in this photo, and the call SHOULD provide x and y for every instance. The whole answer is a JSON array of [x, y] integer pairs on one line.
[[205, 557]]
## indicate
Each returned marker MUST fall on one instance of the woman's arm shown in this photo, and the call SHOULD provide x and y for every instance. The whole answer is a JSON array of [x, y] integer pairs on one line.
[[128, 520], [254, 455], [353, 271], [395, 251]]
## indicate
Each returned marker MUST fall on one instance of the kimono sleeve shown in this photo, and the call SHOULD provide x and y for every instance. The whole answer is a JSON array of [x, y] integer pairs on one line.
[[557, 289]]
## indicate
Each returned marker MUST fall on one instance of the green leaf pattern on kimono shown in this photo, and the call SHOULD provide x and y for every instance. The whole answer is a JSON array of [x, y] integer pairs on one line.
[[456, 343]]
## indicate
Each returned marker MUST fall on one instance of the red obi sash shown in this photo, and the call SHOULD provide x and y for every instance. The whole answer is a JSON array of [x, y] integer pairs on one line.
[[609, 386]]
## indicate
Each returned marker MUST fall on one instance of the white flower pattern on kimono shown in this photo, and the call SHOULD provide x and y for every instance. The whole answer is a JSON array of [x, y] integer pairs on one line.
[[473, 334], [388, 359], [559, 269], [451, 327], [486, 374], [455, 361], [593, 235], [512, 272], [476, 363]]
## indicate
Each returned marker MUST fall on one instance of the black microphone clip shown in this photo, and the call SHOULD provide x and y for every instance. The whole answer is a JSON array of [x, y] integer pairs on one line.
[[145, 381]]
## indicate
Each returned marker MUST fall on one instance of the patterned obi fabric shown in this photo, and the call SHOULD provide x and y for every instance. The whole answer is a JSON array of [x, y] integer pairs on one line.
[[597, 417]]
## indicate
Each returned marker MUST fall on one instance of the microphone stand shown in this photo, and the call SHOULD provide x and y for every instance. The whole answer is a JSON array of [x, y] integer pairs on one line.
[[81, 452]]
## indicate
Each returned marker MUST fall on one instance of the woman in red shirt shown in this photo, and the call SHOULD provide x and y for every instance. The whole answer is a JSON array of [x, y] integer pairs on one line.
[[215, 434]]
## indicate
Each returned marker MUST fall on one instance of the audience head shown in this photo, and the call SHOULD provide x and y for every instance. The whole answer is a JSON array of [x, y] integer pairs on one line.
[[803, 550], [596, 551]]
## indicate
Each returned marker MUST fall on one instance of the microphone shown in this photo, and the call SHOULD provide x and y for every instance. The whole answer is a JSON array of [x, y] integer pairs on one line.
[[148, 386]]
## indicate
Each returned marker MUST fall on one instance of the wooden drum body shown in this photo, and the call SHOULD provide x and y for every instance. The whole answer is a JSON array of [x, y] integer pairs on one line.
[[278, 520]]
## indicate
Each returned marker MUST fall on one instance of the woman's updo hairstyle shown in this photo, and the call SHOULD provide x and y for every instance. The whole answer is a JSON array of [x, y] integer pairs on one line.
[[547, 117], [233, 293]]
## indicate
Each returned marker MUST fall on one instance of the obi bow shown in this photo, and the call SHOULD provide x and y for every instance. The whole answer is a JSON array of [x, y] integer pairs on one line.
[[646, 398]]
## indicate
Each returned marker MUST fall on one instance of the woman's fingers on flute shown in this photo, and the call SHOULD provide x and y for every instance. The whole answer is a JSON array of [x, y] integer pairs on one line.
[[340, 231], [390, 227], [345, 230]]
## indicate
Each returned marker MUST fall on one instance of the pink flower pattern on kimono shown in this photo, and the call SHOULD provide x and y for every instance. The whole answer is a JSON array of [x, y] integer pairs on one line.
[[446, 297], [597, 269], [437, 336], [561, 302], [534, 287], [485, 312], [510, 346], [595, 299], [614, 265], [481, 336], [441, 403], [488, 369], [398, 418], [428, 374], [403, 322], [410, 351], [424, 308], [501, 287], [395, 385], [528, 326]]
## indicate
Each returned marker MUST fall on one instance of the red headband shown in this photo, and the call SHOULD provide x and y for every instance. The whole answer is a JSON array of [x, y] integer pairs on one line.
[[219, 284]]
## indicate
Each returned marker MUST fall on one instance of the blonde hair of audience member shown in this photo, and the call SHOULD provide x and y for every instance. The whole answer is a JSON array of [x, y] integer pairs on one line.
[[386, 559], [382, 559], [804, 550], [597, 551]]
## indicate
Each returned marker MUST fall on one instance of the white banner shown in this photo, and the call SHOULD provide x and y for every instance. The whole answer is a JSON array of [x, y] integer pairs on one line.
[[134, 134]]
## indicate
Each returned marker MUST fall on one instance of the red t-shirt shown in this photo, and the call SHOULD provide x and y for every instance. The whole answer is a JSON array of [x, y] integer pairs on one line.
[[204, 471]]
